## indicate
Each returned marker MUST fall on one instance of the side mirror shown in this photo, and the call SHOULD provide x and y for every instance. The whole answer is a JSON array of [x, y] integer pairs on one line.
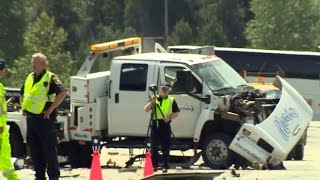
[[185, 78]]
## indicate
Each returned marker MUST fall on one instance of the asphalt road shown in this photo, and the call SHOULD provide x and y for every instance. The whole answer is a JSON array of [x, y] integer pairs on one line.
[[308, 169]]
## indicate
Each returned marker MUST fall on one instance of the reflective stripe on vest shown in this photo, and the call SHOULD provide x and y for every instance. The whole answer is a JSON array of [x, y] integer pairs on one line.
[[3, 104], [166, 107], [36, 95]]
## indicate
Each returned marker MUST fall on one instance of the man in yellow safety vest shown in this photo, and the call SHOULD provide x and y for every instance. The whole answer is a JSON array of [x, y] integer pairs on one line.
[[41, 94], [166, 110], [6, 166]]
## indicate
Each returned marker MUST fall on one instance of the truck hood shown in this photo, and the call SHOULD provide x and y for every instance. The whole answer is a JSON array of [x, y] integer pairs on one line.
[[270, 141]]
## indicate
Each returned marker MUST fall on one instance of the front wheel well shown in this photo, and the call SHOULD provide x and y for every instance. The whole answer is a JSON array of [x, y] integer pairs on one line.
[[219, 125]]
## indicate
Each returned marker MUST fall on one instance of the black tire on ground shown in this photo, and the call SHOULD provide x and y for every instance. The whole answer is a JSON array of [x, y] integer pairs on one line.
[[305, 137], [80, 155], [215, 151], [298, 152], [289, 157], [18, 147]]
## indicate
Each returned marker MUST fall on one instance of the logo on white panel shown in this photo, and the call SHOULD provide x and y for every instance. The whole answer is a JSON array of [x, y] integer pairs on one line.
[[283, 121]]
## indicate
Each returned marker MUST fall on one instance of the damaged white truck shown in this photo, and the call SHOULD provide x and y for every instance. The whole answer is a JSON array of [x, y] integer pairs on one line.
[[229, 121]]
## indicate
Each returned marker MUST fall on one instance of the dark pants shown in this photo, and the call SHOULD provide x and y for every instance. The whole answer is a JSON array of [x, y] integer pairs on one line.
[[42, 139], [160, 135]]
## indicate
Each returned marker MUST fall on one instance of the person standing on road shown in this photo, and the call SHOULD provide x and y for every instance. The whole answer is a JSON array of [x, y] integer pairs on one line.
[[6, 166], [41, 94], [166, 110]]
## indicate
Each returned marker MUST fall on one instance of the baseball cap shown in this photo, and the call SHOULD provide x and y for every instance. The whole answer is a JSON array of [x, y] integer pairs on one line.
[[2, 64], [165, 85]]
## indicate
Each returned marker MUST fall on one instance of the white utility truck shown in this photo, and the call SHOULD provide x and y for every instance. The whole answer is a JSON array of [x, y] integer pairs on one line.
[[220, 114]]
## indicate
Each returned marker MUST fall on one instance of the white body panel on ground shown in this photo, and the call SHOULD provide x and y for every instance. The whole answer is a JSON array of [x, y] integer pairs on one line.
[[279, 133]]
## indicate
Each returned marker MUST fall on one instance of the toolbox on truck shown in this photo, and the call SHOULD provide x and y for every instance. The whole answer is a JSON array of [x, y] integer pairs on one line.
[[86, 89]]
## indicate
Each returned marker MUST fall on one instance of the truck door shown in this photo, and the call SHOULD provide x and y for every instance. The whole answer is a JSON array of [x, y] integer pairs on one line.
[[127, 96], [190, 108]]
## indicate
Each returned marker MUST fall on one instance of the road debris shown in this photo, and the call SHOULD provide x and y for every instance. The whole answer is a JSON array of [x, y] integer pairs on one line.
[[69, 174], [234, 173], [111, 163], [113, 153], [131, 169], [256, 165]]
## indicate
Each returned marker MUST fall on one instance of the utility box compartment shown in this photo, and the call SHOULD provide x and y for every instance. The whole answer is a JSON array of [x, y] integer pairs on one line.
[[87, 89]]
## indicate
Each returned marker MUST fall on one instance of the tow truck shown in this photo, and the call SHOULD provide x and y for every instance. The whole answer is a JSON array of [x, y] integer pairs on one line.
[[222, 118]]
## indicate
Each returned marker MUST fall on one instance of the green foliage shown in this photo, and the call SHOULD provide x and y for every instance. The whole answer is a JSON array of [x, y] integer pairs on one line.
[[75, 18], [25, 28], [145, 16], [211, 30], [12, 24], [108, 33], [43, 36], [105, 34], [288, 25], [220, 23], [233, 16], [182, 34]]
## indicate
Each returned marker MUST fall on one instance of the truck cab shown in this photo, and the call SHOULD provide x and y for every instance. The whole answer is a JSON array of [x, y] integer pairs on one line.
[[131, 76]]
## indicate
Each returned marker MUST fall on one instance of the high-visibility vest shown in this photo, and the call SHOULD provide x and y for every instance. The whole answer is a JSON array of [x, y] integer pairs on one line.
[[36, 95], [165, 106], [3, 106]]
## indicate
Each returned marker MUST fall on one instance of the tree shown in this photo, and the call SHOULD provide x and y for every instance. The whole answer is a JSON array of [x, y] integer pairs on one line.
[[105, 34], [43, 36], [233, 16], [211, 31], [145, 16], [287, 25], [13, 19], [182, 34], [182, 9], [75, 18]]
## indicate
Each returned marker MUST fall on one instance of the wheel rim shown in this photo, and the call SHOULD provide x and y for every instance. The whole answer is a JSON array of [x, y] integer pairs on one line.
[[217, 151]]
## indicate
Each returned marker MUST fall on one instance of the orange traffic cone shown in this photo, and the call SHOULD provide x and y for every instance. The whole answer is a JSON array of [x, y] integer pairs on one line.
[[95, 173], [148, 167]]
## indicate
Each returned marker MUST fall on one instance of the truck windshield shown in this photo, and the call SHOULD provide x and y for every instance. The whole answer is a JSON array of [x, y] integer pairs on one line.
[[219, 75]]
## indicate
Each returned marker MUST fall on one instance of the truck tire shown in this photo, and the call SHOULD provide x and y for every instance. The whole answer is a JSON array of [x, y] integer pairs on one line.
[[305, 137], [80, 155], [298, 152], [18, 147], [215, 151]]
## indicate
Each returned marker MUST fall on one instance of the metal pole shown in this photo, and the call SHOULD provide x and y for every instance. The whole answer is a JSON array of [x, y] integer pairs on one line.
[[166, 31]]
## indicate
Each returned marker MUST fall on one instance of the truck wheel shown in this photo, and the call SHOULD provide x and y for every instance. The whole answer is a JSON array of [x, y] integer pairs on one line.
[[18, 148], [305, 137], [298, 152], [80, 155], [215, 151], [290, 155]]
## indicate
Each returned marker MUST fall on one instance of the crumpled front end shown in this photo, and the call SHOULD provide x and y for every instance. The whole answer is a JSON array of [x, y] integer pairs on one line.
[[270, 141]]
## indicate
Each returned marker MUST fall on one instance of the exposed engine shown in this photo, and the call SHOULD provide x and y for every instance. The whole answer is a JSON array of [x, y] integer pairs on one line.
[[249, 107]]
